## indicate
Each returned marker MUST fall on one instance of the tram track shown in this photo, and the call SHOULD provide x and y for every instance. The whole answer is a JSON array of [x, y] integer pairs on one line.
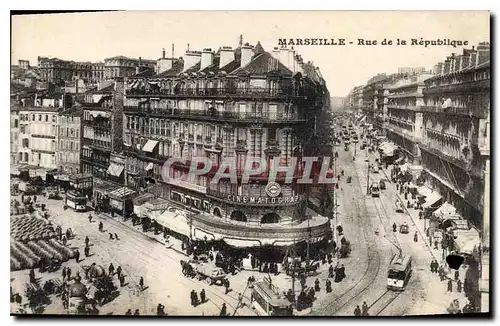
[[373, 259], [382, 302]]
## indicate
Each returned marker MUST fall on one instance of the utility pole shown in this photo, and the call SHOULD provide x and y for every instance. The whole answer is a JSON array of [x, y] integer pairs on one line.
[[368, 179]]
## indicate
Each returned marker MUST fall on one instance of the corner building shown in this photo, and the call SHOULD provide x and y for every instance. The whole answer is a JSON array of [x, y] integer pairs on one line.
[[232, 104]]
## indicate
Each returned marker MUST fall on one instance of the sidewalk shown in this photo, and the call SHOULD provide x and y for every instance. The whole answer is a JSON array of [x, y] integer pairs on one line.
[[437, 254], [174, 243]]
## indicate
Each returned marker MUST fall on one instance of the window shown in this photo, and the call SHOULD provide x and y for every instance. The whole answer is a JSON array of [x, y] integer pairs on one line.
[[32, 117], [16, 123], [39, 117], [46, 118]]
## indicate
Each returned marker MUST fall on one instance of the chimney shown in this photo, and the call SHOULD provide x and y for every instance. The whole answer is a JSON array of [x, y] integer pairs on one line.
[[191, 58], [458, 63], [446, 66], [226, 56], [138, 68], [246, 54], [473, 59], [275, 53], [163, 53], [291, 59], [207, 58], [483, 52], [439, 70]]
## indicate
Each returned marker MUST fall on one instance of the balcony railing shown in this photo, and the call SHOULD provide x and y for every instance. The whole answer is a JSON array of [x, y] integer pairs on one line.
[[403, 107], [97, 144], [217, 92], [269, 116]]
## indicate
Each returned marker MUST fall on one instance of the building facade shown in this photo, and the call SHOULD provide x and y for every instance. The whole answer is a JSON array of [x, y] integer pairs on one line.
[[457, 105], [102, 129], [15, 154], [38, 136], [56, 70], [121, 67], [69, 144], [231, 105], [404, 117]]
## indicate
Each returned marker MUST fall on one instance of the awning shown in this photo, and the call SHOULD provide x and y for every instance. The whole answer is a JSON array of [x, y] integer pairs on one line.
[[115, 169], [175, 220], [467, 241], [122, 193], [431, 197], [445, 211], [150, 145], [149, 166]]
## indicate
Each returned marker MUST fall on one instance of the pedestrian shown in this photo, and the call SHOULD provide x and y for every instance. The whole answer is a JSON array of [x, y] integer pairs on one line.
[[394, 227], [111, 236], [316, 285], [330, 271], [77, 255], [86, 251], [195, 298], [111, 269], [32, 276], [415, 236], [457, 275], [191, 295], [122, 280], [141, 283], [90, 221], [129, 312], [160, 310], [202, 296], [136, 313], [68, 273], [303, 283], [119, 271], [116, 237], [432, 266], [101, 227], [328, 286], [450, 286], [87, 240], [64, 240], [226, 285], [342, 272], [364, 308], [64, 273], [223, 310], [68, 234], [459, 286], [357, 311], [34, 198]]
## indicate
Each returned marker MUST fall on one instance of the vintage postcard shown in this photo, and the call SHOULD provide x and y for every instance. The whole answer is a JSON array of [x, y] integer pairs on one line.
[[250, 163]]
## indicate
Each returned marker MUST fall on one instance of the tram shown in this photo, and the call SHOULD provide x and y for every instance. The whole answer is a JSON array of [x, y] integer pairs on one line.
[[268, 302], [76, 201], [399, 272]]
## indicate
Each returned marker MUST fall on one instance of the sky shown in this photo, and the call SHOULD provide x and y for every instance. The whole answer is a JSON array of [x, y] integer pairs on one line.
[[96, 36]]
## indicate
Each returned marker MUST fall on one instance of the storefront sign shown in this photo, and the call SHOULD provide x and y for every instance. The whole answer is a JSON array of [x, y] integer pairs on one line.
[[264, 200]]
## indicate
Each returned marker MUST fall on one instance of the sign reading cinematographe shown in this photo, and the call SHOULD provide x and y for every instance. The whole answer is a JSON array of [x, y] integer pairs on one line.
[[264, 200]]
